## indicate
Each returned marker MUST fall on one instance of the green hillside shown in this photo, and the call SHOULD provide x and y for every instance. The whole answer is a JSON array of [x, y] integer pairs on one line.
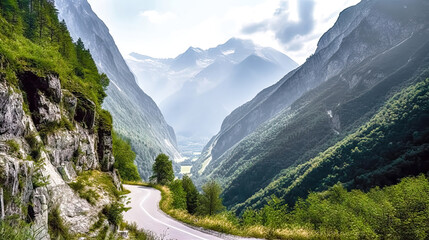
[[318, 120], [393, 144], [33, 40]]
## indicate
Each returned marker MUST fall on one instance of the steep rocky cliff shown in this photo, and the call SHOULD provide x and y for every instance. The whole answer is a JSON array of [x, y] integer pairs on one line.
[[136, 115], [39, 155], [56, 159]]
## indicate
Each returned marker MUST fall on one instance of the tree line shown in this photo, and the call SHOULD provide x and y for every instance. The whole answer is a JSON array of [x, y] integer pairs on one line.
[[184, 192], [399, 211]]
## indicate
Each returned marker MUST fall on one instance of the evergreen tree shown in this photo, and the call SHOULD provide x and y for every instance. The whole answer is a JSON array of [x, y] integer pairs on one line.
[[210, 202], [162, 170], [9, 10], [191, 194]]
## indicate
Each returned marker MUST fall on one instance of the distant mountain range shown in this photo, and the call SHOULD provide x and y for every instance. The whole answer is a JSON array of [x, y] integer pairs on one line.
[[331, 119], [198, 88], [135, 114]]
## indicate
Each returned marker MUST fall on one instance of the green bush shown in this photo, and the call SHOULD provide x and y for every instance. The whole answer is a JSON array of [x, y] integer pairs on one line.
[[35, 146], [13, 146], [113, 212], [136, 233], [192, 194], [16, 230], [396, 212], [57, 228]]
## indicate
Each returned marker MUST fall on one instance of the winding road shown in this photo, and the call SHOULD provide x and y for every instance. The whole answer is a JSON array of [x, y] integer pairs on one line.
[[146, 214]]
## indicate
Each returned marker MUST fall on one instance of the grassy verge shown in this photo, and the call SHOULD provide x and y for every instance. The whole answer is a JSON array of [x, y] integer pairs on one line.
[[225, 222]]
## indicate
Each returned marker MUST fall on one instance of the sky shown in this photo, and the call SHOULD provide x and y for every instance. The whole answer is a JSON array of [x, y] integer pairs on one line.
[[166, 28]]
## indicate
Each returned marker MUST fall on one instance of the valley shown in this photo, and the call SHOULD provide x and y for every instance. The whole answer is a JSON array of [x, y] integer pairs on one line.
[[289, 119]]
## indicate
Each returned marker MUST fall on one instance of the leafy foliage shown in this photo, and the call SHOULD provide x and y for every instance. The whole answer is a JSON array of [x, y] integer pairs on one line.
[[396, 212], [210, 202], [114, 211], [124, 159], [57, 228], [179, 195], [16, 230], [162, 170]]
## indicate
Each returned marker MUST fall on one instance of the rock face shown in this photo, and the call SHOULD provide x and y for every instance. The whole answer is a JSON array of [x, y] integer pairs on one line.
[[39, 156], [368, 44], [11, 113], [43, 95], [136, 114]]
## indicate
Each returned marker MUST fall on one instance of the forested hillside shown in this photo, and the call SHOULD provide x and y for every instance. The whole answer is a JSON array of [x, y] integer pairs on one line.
[[360, 63], [393, 144]]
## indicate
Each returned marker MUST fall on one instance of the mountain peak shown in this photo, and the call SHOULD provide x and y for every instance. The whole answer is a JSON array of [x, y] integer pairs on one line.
[[193, 49], [237, 42]]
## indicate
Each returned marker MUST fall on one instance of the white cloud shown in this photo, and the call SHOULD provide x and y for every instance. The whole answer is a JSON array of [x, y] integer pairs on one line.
[[167, 28], [296, 25], [157, 17]]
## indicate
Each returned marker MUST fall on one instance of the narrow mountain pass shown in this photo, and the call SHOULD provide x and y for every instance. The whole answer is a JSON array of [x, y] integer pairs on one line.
[[145, 212]]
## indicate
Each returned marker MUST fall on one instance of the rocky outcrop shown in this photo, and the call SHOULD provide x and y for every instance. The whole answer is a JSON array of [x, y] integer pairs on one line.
[[105, 150], [11, 113], [43, 96], [85, 112], [76, 146], [16, 182], [46, 147]]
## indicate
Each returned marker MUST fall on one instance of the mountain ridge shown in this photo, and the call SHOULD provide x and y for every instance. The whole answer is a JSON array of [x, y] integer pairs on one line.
[[229, 73], [345, 68], [129, 105]]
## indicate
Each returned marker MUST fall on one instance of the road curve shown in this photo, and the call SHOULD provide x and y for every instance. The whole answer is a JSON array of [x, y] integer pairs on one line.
[[146, 214]]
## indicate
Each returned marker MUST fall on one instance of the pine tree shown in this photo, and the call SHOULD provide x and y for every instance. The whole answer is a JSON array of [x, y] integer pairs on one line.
[[162, 170], [192, 194]]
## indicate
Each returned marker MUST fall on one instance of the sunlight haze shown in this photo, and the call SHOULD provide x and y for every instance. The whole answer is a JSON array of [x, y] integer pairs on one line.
[[165, 29]]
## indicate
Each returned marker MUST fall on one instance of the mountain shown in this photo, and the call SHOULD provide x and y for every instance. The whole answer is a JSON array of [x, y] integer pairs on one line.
[[375, 49], [198, 88], [136, 116]]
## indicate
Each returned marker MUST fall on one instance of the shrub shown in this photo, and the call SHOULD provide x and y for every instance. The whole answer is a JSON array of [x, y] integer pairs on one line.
[[13, 146], [57, 228], [113, 212], [16, 230]]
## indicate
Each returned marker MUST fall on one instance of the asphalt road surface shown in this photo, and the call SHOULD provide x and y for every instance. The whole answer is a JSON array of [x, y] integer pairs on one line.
[[146, 214]]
